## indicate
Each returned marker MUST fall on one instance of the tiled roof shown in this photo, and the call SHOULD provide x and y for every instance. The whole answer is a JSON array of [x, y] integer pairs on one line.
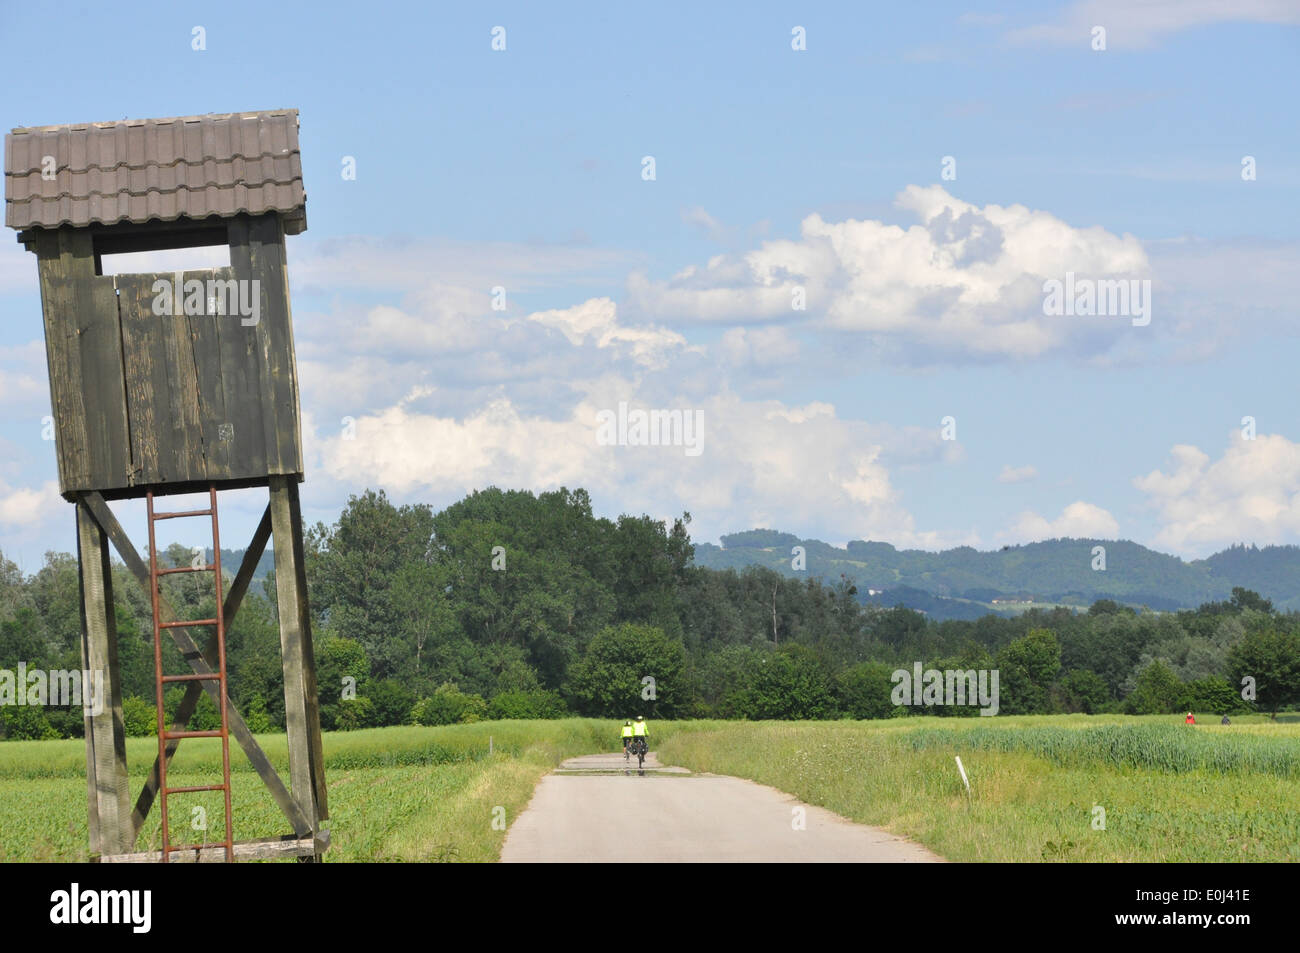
[[138, 170]]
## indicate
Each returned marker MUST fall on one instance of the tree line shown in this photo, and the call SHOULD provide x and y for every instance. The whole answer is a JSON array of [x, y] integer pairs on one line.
[[508, 604]]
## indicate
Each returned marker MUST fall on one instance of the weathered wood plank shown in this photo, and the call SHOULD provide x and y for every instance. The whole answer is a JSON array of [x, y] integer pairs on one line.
[[107, 736], [186, 448], [242, 365], [63, 355], [278, 381], [103, 385], [190, 651], [206, 343], [290, 604], [310, 689], [265, 849], [87, 394], [146, 379], [163, 378], [92, 788]]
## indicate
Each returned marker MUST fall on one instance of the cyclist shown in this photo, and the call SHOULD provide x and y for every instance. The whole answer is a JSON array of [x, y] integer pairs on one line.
[[627, 735], [641, 730]]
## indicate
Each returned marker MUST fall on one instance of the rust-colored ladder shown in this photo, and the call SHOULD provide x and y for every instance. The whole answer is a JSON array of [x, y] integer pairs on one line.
[[161, 680]]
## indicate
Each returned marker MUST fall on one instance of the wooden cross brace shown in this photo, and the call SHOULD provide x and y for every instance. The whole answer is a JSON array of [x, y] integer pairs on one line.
[[202, 661]]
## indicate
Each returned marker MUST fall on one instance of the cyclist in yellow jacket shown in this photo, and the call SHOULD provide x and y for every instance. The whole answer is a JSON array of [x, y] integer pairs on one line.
[[641, 729], [627, 735]]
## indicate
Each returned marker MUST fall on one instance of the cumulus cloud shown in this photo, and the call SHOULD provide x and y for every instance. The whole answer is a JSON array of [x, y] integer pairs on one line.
[[25, 508], [1078, 520], [1251, 493], [1138, 25], [761, 462], [1012, 474], [967, 282], [446, 341], [597, 321]]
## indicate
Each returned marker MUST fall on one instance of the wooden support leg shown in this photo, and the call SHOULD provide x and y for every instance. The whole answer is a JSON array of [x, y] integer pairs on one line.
[[301, 717], [316, 749], [190, 651], [92, 790], [106, 737]]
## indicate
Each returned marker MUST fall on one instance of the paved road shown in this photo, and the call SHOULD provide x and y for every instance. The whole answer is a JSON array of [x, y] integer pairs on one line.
[[585, 811]]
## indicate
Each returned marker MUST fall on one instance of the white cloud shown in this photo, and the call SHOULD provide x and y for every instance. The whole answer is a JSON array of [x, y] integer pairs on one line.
[[966, 282], [763, 463], [1131, 24], [26, 508], [1078, 520], [1251, 493], [1012, 474], [597, 320]]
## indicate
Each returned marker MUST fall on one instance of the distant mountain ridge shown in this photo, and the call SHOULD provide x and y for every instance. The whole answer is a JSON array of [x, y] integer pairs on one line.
[[965, 582]]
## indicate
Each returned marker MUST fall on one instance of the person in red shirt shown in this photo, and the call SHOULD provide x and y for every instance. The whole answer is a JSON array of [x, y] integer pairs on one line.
[[1189, 720]]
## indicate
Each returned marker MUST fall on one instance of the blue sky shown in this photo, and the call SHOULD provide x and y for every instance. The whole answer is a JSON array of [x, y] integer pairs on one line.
[[775, 168]]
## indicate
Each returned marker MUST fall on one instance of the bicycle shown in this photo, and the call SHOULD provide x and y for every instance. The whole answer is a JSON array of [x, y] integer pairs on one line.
[[641, 749]]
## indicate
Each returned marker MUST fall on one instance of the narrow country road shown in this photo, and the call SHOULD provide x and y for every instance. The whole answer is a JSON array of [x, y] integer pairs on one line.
[[590, 810]]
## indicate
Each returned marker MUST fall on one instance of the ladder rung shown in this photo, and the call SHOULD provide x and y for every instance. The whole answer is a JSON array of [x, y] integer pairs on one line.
[[173, 516], [215, 733], [168, 572], [195, 787], [179, 625], [192, 677]]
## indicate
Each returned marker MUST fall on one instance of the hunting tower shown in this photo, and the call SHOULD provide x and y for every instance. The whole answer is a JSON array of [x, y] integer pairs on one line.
[[174, 383]]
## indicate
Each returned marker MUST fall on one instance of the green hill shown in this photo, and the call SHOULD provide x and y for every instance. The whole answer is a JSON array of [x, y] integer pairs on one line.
[[1058, 571]]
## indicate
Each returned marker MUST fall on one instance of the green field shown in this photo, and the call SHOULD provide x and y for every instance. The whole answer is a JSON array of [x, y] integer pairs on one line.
[[406, 793], [1170, 792]]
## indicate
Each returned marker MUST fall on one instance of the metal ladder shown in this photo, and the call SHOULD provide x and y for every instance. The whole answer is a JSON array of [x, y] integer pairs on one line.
[[161, 680]]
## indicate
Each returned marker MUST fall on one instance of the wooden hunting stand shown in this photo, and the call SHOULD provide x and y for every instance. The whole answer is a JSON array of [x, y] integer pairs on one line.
[[156, 394]]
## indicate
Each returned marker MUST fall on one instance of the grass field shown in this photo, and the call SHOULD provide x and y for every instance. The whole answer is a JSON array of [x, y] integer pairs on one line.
[[394, 793], [1170, 792]]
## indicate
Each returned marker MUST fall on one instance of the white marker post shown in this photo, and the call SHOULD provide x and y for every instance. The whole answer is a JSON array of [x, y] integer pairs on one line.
[[963, 779]]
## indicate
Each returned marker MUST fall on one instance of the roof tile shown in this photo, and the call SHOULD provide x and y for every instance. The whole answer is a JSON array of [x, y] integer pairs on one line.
[[155, 169]]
